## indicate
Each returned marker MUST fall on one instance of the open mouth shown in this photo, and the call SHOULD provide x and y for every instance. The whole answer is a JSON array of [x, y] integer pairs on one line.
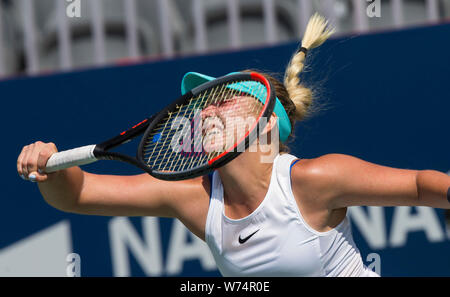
[[212, 126], [212, 132]]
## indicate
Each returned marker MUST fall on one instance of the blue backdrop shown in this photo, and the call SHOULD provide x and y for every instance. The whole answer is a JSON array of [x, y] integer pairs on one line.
[[385, 100]]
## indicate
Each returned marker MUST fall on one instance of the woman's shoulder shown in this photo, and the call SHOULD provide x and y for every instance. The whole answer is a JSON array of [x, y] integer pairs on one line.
[[314, 177], [318, 168]]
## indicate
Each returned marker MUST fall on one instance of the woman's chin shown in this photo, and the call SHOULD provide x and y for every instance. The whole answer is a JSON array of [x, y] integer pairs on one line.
[[213, 147]]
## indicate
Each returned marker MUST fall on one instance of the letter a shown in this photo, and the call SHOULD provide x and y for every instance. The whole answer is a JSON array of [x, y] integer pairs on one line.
[[374, 9], [73, 9]]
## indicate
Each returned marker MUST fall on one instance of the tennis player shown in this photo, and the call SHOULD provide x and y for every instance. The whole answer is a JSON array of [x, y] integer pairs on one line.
[[287, 217]]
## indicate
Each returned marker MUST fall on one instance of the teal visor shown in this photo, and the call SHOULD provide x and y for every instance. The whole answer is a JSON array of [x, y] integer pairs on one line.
[[194, 79]]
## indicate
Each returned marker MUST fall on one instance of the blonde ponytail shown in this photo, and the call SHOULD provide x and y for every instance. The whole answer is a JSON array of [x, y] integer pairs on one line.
[[317, 32]]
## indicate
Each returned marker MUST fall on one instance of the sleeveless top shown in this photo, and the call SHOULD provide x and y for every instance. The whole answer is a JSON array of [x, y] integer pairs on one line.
[[275, 240]]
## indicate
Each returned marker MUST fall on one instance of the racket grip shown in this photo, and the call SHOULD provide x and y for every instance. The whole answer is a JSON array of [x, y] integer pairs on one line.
[[70, 158]]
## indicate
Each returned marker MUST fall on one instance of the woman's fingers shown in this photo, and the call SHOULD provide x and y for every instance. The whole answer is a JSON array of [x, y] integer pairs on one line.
[[32, 160]]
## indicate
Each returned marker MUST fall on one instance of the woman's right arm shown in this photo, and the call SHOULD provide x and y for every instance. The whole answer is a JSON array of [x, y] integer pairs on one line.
[[77, 191]]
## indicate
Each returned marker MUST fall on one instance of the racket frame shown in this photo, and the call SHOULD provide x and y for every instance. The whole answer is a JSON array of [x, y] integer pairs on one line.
[[102, 151], [224, 157]]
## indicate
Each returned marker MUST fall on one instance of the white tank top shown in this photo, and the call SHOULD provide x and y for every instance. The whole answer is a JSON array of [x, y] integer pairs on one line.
[[275, 240]]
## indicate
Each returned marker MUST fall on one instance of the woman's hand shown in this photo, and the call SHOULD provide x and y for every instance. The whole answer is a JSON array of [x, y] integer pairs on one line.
[[32, 160]]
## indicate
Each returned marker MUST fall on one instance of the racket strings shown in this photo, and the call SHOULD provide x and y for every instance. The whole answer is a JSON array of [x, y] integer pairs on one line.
[[185, 122], [195, 105], [182, 163], [200, 101]]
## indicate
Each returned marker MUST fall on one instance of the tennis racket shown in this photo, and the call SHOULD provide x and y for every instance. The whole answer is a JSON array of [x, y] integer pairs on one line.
[[202, 130]]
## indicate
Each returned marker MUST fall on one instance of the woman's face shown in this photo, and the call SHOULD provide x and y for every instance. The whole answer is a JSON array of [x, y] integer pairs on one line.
[[225, 123]]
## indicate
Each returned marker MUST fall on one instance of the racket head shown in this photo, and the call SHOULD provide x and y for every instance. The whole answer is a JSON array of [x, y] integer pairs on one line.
[[207, 127]]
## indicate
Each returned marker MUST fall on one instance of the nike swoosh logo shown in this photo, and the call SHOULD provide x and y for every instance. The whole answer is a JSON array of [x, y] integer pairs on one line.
[[243, 240]]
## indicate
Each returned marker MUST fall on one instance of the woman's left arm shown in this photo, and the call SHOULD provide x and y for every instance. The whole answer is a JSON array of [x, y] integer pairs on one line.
[[341, 180]]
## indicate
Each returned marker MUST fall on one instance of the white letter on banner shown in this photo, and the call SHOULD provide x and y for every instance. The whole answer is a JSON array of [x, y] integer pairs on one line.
[[371, 226], [180, 250], [147, 253], [404, 222]]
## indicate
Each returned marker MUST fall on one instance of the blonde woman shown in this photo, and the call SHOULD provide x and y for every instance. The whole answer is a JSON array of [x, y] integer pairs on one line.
[[286, 217]]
